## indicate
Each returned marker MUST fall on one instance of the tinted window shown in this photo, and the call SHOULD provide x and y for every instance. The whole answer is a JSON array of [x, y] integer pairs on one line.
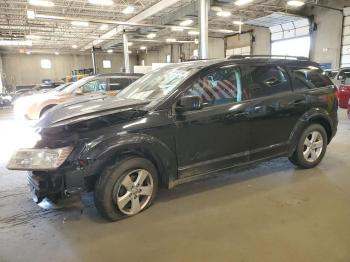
[[309, 78], [98, 85], [118, 83], [218, 87], [267, 80]]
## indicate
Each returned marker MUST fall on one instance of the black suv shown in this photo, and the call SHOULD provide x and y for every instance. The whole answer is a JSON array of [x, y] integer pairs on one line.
[[180, 123]]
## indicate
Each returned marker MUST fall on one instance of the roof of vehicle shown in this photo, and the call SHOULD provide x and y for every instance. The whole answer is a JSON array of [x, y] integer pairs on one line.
[[247, 60], [120, 74]]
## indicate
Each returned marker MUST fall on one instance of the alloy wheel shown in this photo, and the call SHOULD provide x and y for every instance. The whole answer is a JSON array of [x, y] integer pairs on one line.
[[313, 146], [134, 192]]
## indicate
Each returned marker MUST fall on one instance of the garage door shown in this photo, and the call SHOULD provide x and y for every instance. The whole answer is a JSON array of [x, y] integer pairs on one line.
[[345, 60]]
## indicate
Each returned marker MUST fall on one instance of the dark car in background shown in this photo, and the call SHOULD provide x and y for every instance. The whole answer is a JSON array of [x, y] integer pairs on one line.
[[181, 123]]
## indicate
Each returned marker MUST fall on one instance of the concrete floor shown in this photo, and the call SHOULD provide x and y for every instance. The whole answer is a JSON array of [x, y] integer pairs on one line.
[[268, 212]]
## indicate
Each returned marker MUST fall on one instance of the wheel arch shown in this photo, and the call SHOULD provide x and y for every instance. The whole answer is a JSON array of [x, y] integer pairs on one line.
[[45, 108], [114, 149]]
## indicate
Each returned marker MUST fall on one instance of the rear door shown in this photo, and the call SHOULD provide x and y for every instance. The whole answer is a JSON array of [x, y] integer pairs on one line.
[[274, 110]]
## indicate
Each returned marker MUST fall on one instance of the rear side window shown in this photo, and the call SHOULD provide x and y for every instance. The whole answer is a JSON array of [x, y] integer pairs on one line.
[[267, 80], [309, 78], [116, 84], [218, 87]]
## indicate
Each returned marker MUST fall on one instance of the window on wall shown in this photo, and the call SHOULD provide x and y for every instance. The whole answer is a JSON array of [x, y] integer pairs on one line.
[[291, 38], [246, 50], [45, 63], [107, 64], [168, 58]]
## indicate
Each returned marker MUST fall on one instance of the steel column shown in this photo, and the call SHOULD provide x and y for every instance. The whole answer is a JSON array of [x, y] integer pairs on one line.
[[93, 55], [126, 53], [203, 28]]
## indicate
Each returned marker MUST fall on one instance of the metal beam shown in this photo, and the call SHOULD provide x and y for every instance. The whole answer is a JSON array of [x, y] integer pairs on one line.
[[203, 28]]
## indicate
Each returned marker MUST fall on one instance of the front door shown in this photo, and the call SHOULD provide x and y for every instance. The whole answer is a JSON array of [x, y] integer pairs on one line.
[[217, 136]]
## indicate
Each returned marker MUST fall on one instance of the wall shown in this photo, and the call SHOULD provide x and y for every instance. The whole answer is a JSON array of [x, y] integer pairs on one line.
[[261, 45], [22, 69], [326, 40], [216, 49]]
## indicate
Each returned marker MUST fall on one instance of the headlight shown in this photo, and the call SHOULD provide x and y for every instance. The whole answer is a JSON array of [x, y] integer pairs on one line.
[[39, 159]]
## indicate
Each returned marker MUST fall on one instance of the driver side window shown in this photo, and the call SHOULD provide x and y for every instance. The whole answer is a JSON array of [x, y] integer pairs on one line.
[[98, 85], [221, 86]]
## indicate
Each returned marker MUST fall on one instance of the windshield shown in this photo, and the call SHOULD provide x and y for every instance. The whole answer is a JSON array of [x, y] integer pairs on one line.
[[72, 87], [157, 84], [62, 87]]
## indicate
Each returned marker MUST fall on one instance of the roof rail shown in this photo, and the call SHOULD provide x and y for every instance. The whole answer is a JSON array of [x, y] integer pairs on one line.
[[299, 58]]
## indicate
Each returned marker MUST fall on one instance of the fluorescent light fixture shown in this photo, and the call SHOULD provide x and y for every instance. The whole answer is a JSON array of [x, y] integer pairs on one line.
[[186, 22], [109, 51], [238, 23], [129, 52], [177, 28], [33, 37], [170, 40], [80, 23], [101, 2], [243, 2], [74, 46], [296, 3], [28, 52], [16, 42], [103, 27], [44, 3], [151, 35], [143, 47], [128, 10], [215, 8], [57, 53], [193, 32], [31, 14], [223, 13], [130, 43]]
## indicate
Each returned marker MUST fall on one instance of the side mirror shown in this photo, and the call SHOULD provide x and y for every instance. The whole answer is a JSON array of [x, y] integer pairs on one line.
[[189, 103], [78, 92]]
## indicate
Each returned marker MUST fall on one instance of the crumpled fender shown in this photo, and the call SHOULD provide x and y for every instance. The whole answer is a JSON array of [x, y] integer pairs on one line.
[[103, 150]]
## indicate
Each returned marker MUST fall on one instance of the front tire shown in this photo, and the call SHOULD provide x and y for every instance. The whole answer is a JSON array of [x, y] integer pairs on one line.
[[311, 147], [126, 188]]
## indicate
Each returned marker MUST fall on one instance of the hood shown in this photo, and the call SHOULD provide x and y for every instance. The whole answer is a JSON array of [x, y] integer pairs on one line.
[[82, 109]]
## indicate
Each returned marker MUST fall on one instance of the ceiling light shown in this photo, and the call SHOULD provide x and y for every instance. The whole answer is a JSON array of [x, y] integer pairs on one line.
[[143, 47], [151, 35], [16, 42], [101, 2], [129, 52], [109, 51], [28, 52], [243, 2], [31, 14], [103, 27], [238, 23], [296, 3], [33, 37], [215, 8], [130, 43], [186, 22], [57, 53], [45, 3], [171, 40], [223, 13], [128, 10], [74, 46], [177, 28], [80, 23], [193, 32]]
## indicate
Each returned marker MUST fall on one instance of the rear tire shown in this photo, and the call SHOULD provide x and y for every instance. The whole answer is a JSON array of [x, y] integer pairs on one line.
[[126, 188], [311, 147]]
